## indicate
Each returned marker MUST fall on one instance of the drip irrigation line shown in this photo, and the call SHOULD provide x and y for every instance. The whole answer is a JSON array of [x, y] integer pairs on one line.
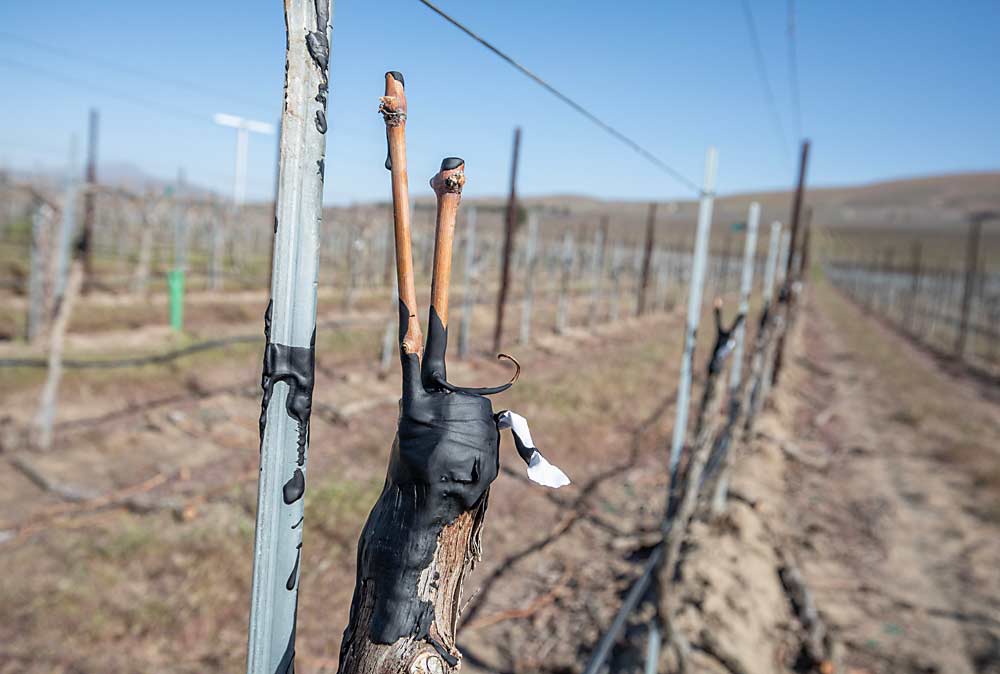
[[765, 81], [635, 594], [643, 152], [138, 361], [153, 359]]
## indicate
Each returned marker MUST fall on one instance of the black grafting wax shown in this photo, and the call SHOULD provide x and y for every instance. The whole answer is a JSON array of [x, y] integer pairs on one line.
[[293, 576], [435, 351], [319, 49], [294, 365], [434, 374], [723, 344], [287, 663], [443, 460]]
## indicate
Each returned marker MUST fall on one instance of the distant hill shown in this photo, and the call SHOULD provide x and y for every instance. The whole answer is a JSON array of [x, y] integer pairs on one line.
[[930, 202], [920, 202]]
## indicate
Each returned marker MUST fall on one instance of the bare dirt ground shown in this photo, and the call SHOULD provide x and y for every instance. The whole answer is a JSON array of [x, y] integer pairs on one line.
[[900, 531], [874, 473]]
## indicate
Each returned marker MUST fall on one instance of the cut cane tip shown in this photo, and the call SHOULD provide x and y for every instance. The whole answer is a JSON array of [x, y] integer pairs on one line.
[[394, 100], [718, 303], [451, 178]]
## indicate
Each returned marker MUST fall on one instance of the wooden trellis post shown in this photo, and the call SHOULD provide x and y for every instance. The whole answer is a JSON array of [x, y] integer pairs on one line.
[[971, 261], [510, 226], [647, 259], [914, 303]]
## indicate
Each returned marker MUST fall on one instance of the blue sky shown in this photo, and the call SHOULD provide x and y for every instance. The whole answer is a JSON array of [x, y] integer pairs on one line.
[[888, 89]]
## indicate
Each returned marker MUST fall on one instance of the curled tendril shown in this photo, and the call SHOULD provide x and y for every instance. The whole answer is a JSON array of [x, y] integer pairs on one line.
[[484, 391]]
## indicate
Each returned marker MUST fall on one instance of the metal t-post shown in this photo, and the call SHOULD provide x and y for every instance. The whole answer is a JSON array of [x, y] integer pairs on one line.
[[567, 258], [694, 306], [746, 283], [36, 271], [736, 368], [469, 292], [596, 269], [67, 225], [290, 329], [530, 261]]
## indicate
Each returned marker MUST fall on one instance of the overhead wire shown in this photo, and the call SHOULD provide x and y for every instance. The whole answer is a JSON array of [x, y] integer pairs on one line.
[[166, 109], [793, 69], [117, 66], [769, 99], [621, 137]]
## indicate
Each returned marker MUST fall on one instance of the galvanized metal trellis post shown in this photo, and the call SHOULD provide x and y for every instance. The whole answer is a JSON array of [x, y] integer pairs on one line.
[[784, 250], [596, 267], [752, 399], [780, 321], [290, 328], [568, 256], [531, 262], [36, 270], [471, 279], [67, 224], [217, 215], [614, 308], [389, 336], [746, 283], [736, 368], [662, 279], [694, 306]]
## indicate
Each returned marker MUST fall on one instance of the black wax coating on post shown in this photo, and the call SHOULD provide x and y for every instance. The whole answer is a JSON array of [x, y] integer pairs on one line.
[[443, 460], [451, 163], [765, 316], [296, 366], [293, 576], [287, 663]]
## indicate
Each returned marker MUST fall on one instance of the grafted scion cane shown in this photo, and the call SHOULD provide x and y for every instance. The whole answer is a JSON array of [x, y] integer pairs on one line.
[[424, 532]]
